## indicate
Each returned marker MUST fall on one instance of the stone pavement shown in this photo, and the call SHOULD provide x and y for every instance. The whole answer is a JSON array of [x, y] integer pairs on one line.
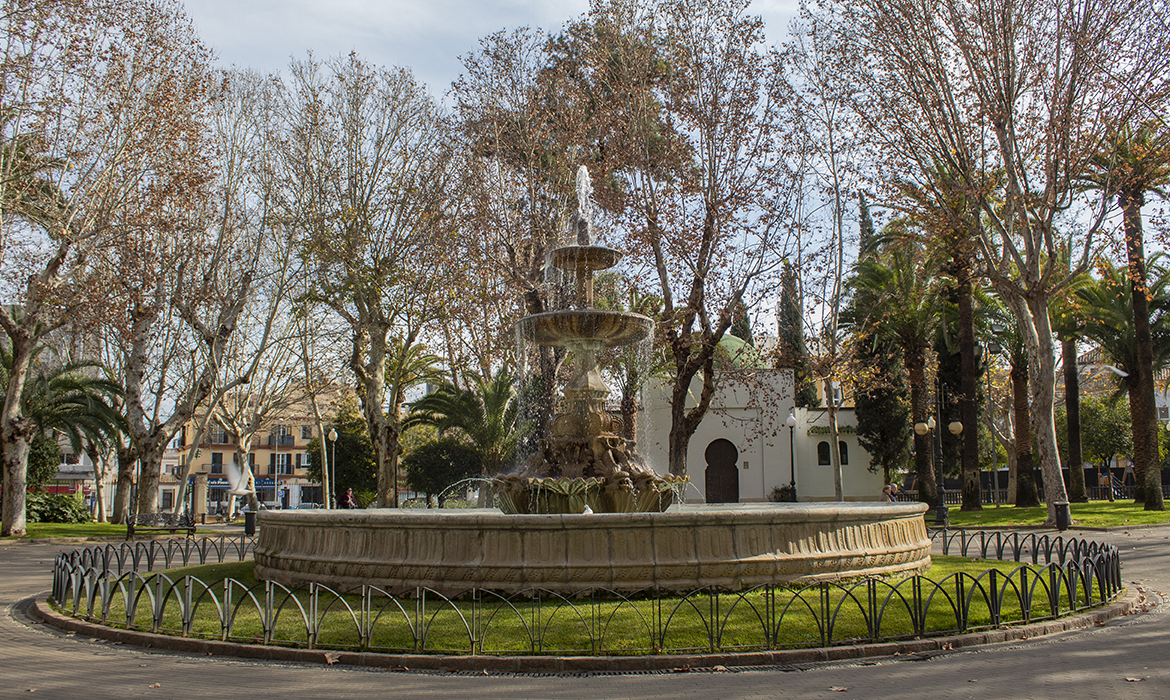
[[1127, 658]]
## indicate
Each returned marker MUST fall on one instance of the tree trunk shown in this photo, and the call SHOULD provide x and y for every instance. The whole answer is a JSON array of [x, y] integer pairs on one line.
[[630, 418], [1026, 494], [17, 438], [1032, 313], [1143, 406], [16, 433], [834, 439], [148, 480], [122, 494], [1072, 407], [968, 389]]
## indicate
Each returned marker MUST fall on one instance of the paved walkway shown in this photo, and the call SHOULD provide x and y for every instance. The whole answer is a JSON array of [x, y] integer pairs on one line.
[[1127, 658]]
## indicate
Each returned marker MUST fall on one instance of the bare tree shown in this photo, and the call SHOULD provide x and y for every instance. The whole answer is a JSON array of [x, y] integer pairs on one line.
[[369, 184], [522, 122], [702, 179], [104, 107]]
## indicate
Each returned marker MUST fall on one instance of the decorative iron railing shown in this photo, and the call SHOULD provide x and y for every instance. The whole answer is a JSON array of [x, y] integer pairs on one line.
[[1061, 575]]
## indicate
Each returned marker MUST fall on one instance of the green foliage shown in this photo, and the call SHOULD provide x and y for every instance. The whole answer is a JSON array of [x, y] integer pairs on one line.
[[488, 414], [1105, 430], [434, 466], [44, 456], [1107, 305], [790, 347], [66, 399], [882, 407], [354, 466], [740, 324], [54, 508]]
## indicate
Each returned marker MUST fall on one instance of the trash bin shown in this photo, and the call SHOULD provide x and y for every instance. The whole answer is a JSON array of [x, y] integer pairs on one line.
[[1063, 516], [250, 522]]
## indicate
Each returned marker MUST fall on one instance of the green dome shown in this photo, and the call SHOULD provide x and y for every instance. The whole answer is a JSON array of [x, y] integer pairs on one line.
[[738, 354]]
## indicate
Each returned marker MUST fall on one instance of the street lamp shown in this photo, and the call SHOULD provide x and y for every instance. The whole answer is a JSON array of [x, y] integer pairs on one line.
[[331, 469], [792, 453]]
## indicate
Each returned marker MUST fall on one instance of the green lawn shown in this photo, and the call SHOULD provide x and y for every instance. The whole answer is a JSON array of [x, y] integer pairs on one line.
[[612, 626], [1092, 514], [38, 531]]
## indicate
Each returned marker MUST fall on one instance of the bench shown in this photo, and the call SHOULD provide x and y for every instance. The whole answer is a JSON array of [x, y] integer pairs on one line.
[[160, 522]]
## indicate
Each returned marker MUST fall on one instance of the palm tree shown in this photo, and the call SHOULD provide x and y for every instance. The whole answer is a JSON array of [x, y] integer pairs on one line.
[[1107, 305], [1137, 161], [897, 286], [67, 400], [487, 413]]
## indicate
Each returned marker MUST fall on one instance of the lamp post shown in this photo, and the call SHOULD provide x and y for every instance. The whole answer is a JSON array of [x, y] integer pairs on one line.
[[331, 468], [792, 453]]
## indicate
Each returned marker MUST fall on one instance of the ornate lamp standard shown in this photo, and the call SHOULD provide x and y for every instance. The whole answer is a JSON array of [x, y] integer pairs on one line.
[[941, 515], [792, 453], [330, 468]]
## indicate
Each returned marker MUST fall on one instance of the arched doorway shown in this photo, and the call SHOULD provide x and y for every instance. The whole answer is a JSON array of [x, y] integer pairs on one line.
[[722, 475]]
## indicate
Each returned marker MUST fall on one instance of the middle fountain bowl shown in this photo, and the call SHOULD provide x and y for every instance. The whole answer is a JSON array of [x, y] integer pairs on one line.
[[613, 328]]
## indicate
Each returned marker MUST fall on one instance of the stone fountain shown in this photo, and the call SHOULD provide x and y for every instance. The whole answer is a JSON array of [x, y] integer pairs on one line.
[[546, 538], [585, 464]]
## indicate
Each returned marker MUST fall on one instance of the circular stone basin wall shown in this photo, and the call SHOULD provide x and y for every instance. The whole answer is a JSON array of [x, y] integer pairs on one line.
[[734, 546]]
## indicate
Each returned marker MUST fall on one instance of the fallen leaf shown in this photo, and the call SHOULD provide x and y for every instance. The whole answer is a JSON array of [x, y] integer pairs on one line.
[[155, 685], [32, 690], [682, 669], [332, 657], [972, 680], [838, 688], [1134, 680], [719, 669]]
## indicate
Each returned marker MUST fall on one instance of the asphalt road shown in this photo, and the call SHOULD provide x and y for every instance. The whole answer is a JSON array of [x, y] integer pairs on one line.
[[1127, 658]]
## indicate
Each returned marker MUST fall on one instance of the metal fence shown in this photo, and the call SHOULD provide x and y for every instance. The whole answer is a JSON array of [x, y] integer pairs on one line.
[[1062, 575]]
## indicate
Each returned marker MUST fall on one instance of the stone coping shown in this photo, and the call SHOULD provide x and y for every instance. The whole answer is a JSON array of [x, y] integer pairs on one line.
[[929, 646], [733, 546]]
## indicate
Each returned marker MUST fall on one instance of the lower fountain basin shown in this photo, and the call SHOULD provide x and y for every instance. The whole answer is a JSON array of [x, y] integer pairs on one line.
[[734, 546]]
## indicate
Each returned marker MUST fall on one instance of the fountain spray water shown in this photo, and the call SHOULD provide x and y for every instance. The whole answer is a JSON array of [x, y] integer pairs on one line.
[[585, 462]]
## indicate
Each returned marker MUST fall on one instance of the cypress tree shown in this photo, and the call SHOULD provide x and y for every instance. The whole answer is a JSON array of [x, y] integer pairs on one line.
[[790, 336]]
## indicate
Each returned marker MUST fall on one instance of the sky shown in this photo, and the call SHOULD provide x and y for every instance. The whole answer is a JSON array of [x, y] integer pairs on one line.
[[427, 36]]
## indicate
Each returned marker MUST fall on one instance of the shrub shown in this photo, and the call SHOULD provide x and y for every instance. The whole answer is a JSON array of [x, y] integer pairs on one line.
[[56, 508]]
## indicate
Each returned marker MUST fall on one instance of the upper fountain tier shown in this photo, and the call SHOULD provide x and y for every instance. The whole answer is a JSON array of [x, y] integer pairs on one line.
[[584, 325]]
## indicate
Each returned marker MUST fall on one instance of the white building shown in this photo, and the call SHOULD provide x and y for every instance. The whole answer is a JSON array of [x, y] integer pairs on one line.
[[743, 447]]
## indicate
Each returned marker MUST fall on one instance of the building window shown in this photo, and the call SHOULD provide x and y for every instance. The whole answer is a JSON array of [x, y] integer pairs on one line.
[[844, 453], [217, 463], [823, 457], [306, 432], [283, 463]]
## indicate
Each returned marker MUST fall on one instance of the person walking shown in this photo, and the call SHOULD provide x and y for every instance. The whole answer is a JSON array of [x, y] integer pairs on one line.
[[348, 500]]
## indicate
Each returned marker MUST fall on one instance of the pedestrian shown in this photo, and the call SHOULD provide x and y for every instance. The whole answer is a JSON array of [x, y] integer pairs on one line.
[[348, 501], [889, 493]]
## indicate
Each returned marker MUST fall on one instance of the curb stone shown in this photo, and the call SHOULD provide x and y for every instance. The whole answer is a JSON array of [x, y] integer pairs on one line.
[[931, 646]]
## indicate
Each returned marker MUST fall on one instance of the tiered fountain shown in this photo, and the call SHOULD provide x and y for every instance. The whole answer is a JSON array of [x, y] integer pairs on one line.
[[585, 466], [547, 538]]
